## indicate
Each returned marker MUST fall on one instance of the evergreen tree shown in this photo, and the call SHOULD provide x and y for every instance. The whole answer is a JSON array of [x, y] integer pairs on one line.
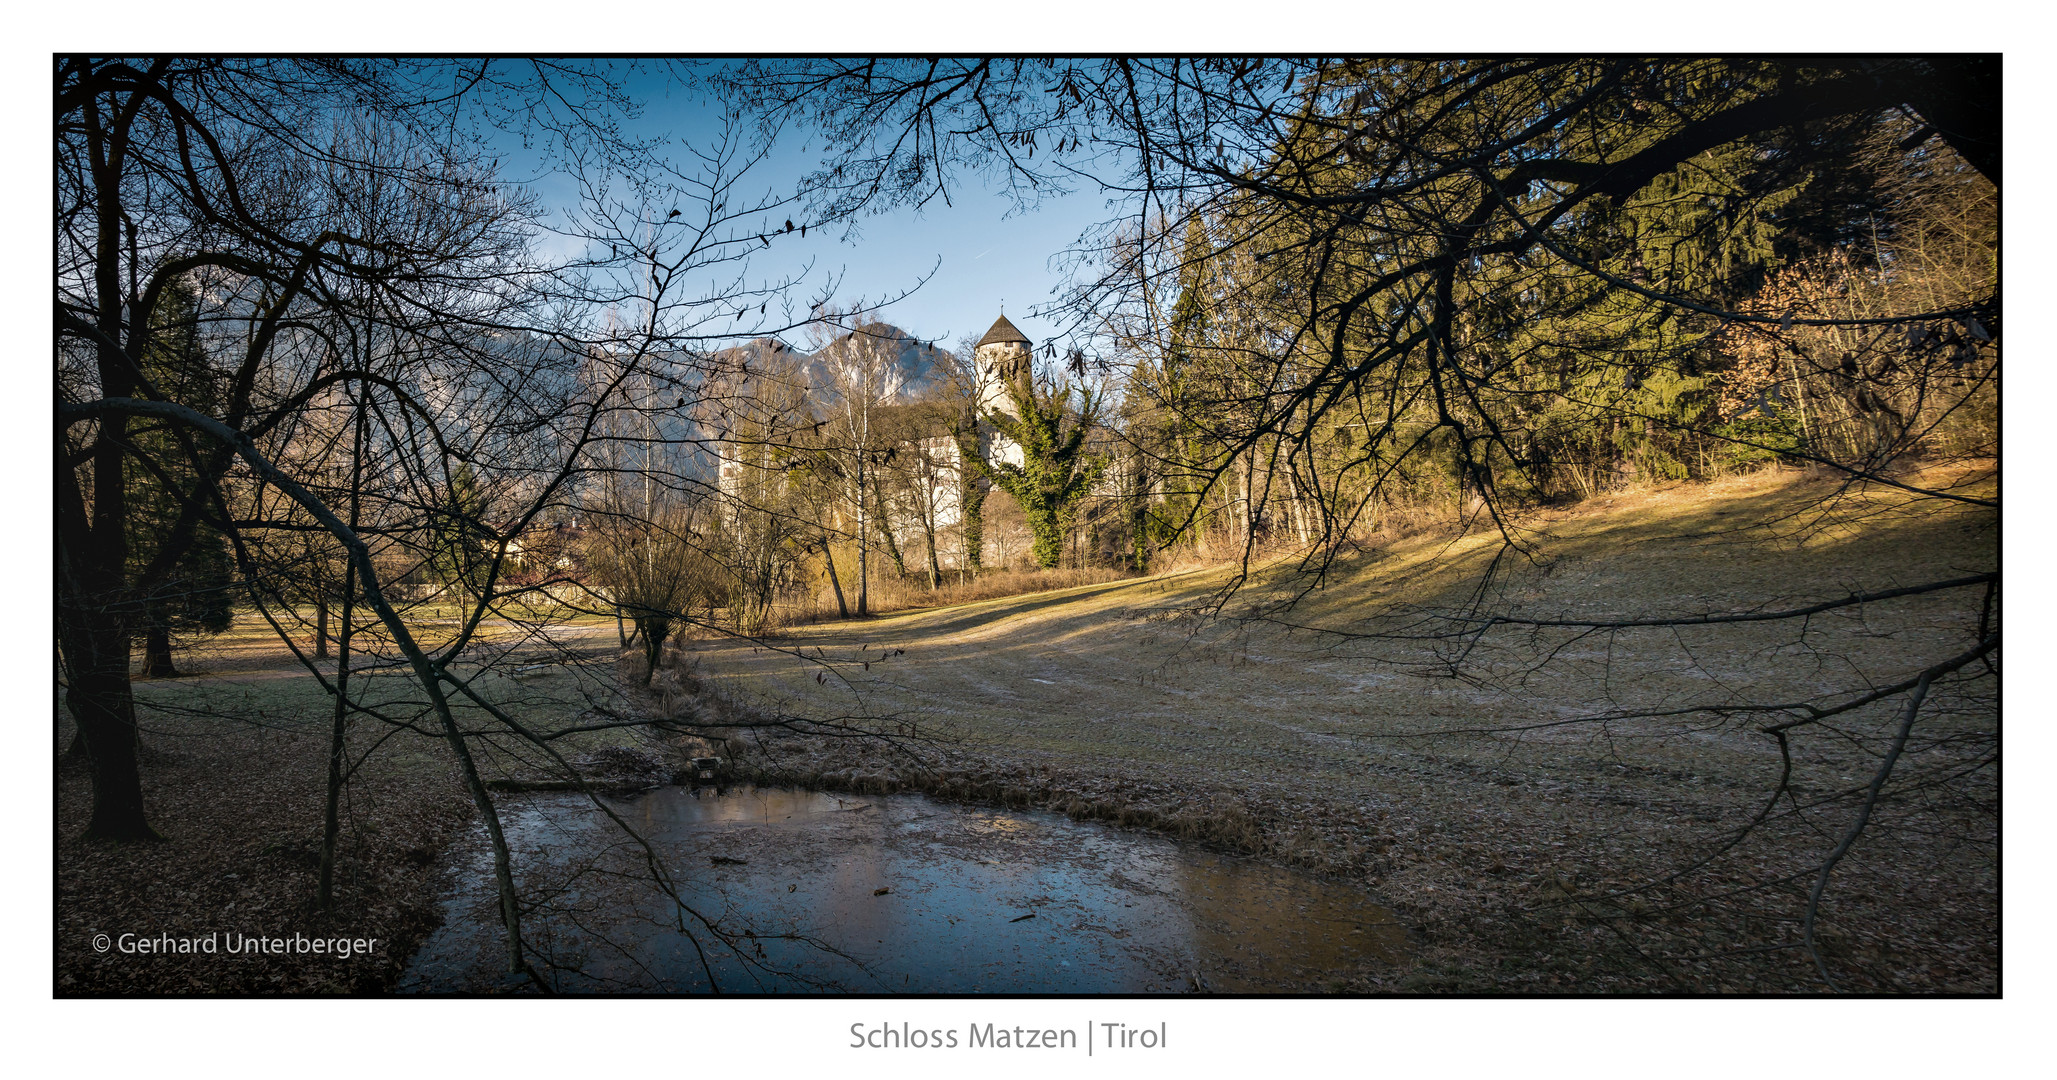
[[460, 556], [179, 564]]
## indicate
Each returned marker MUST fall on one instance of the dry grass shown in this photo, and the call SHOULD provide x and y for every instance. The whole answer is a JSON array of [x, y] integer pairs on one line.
[[1121, 701], [890, 594]]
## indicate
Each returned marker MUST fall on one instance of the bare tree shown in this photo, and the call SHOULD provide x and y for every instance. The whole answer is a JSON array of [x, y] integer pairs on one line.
[[861, 375], [411, 391], [1346, 287]]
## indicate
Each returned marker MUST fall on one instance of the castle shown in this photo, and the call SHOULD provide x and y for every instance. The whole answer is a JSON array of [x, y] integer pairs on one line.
[[930, 496]]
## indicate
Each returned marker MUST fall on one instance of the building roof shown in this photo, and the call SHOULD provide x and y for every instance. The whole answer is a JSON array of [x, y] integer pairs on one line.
[[1003, 331]]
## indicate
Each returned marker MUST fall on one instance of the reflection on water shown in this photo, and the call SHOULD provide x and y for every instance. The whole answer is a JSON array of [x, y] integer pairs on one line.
[[890, 894]]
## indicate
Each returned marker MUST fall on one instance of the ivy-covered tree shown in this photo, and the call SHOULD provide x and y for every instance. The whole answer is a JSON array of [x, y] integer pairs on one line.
[[1056, 470], [971, 493]]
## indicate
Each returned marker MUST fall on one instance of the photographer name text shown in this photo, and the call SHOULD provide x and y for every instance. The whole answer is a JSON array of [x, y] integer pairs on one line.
[[215, 943]]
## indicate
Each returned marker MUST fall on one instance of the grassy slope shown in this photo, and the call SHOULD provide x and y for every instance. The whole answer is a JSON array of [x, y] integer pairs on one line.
[[1344, 753]]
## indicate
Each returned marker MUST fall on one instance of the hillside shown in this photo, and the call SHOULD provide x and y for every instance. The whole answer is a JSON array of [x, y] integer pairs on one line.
[[1319, 727]]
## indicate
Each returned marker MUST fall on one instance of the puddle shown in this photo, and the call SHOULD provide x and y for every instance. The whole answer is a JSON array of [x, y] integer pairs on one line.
[[890, 894]]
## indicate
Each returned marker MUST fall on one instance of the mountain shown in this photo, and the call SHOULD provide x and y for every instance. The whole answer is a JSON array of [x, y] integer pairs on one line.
[[912, 368]]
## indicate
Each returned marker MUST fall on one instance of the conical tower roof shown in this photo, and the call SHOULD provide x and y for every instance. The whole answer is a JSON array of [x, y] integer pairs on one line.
[[1003, 331]]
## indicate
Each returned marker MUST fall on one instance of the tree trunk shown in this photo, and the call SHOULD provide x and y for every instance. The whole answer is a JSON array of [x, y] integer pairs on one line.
[[92, 546], [94, 637], [1139, 515], [1243, 517], [97, 656], [157, 651], [339, 721], [1303, 518], [863, 554], [503, 857], [975, 526], [928, 528], [829, 557], [654, 628], [864, 564], [884, 521], [1050, 530], [339, 727], [321, 627]]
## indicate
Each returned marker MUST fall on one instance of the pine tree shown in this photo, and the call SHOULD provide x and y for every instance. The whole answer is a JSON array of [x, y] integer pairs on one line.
[[168, 513], [460, 557]]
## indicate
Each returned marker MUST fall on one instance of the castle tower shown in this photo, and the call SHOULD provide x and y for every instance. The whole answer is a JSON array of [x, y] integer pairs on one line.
[[1002, 356]]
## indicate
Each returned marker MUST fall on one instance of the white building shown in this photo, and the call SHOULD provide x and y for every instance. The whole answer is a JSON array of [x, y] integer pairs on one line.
[[1002, 354]]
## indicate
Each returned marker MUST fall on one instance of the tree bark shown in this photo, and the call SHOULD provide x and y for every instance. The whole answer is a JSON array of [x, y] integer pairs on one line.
[[975, 526], [884, 522], [928, 527], [331, 823], [91, 542], [829, 557], [321, 627], [1139, 514], [157, 651], [339, 721], [96, 653], [655, 629], [863, 544], [92, 633]]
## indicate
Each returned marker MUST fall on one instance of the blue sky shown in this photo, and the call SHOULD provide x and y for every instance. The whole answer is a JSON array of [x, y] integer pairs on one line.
[[975, 255]]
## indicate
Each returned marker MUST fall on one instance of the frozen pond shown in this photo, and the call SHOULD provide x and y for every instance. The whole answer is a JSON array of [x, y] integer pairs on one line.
[[890, 894]]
